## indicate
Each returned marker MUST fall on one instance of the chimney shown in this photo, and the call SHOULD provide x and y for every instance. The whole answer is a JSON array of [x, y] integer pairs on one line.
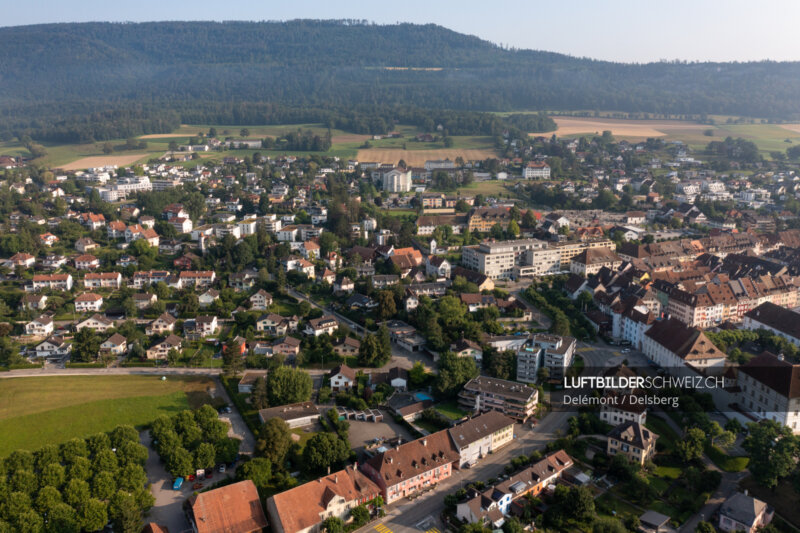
[[424, 442], [780, 357], [329, 470]]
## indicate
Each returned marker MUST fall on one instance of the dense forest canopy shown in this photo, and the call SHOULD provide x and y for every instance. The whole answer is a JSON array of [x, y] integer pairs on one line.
[[57, 79]]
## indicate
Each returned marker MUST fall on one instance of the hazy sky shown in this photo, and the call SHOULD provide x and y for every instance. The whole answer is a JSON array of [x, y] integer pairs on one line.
[[620, 30]]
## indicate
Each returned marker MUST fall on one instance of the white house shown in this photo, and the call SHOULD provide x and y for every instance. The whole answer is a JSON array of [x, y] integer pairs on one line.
[[88, 301], [319, 326], [342, 378], [41, 326]]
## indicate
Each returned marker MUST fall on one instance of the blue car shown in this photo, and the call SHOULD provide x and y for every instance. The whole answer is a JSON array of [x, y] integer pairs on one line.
[[177, 484]]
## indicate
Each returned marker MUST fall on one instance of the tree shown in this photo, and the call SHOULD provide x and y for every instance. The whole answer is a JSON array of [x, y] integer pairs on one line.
[[85, 346], [529, 219], [704, 527], [454, 372], [691, 447], [386, 305], [204, 456], [259, 398], [580, 503], [93, 515], [232, 361], [333, 524], [244, 132], [274, 441], [773, 450], [104, 485], [180, 462], [47, 498], [53, 475], [122, 434], [107, 148], [417, 375], [76, 493], [513, 228], [125, 513], [62, 519], [323, 450], [513, 525], [258, 470], [608, 525], [131, 453], [288, 385]]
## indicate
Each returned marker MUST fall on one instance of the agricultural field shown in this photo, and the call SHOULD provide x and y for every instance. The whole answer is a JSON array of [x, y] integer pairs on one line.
[[51, 410], [768, 137], [417, 158]]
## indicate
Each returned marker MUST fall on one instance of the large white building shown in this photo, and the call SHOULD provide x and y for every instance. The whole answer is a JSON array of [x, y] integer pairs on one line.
[[672, 345], [509, 259], [553, 352], [397, 180], [481, 435], [770, 390], [535, 170]]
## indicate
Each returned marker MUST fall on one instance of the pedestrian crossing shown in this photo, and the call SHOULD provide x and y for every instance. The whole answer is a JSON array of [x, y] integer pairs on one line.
[[383, 528]]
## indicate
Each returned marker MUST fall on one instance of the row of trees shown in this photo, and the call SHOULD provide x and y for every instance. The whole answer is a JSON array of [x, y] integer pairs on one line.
[[193, 440], [80, 485]]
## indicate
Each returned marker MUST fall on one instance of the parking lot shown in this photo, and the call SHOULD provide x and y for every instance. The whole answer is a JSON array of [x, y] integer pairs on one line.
[[363, 433]]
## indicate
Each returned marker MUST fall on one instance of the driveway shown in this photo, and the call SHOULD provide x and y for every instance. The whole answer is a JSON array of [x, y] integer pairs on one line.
[[168, 508], [238, 428]]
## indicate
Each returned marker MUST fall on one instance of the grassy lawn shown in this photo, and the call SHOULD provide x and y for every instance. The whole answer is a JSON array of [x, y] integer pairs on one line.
[[51, 410], [487, 188], [667, 436], [608, 502], [725, 462], [451, 410], [284, 308], [667, 472]]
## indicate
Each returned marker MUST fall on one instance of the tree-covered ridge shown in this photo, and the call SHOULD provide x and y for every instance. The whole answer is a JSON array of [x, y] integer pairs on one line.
[[265, 72]]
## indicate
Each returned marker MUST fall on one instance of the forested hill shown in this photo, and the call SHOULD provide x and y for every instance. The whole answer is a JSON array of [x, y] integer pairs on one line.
[[202, 71]]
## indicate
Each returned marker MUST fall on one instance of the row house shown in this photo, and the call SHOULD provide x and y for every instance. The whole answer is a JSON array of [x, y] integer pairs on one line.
[[102, 280], [196, 278], [53, 282], [145, 278], [491, 506], [414, 466]]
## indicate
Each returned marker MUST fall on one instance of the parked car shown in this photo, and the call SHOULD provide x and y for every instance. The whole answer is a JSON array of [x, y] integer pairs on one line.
[[197, 485], [209, 473], [190, 477], [177, 484], [221, 469]]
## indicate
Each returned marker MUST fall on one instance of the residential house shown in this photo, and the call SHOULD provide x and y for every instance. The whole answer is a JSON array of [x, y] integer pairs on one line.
[[40, 327], [288, 346], [88, 301], [199, 327], [468, 348], [86, 262], [208, 298], [163, 324], [633, 440], [260, 300], [160, 349], [233, 508], [437, 266], [35, 302], [342, 378], [143, 300], [85, 244], [96, 322], [742, 512], [334, 495], [116, 344], [320, 326], [53, 348], [347, 347]]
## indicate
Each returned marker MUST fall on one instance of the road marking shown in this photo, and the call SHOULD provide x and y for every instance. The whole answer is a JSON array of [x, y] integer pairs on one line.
[[587, 349], [433, 530], [381, 528]]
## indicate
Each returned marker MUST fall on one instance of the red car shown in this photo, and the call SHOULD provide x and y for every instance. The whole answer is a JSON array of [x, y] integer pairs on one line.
[[190, 477]]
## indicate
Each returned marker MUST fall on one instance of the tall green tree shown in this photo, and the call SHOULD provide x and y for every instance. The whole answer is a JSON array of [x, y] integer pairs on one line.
[[773, 451]]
